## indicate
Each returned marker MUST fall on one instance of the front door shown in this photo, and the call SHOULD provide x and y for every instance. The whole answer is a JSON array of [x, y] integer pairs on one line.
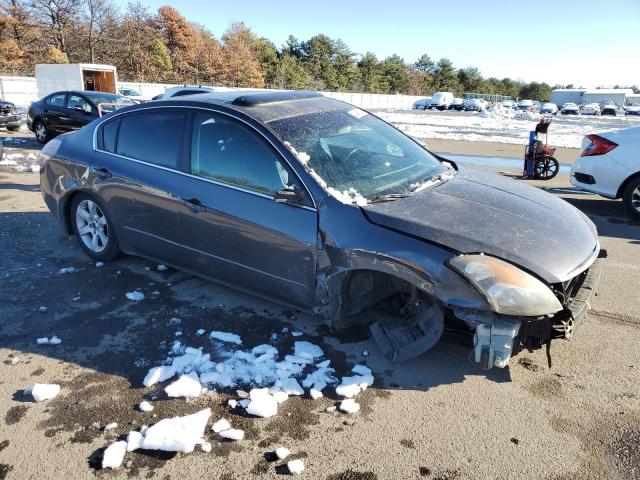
[[232, 228], [55, 112]]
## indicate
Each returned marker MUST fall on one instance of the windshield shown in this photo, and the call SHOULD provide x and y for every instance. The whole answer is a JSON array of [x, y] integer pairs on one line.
[[356, 154], [111, 100]]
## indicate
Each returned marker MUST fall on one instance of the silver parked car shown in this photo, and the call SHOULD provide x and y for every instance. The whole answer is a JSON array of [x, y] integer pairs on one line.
[[317, 204]]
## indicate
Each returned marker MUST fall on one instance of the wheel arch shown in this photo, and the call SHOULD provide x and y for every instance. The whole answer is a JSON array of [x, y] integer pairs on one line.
[[624, 184]]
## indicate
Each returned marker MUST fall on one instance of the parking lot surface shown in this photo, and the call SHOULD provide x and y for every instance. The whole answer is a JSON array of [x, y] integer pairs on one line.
[[436, 417]]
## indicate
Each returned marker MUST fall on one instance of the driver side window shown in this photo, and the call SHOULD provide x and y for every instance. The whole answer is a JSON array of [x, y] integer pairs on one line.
[[226, 151], [76, 101]]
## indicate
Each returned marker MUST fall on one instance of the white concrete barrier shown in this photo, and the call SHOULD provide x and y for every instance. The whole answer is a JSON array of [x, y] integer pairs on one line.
[[22, 91]]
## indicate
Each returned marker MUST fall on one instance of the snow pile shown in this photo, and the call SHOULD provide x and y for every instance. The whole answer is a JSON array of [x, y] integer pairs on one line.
[[43, 391], [158, 374], [295, 467], [48, 341], [178, 434], [145, 406], [135, 296], [134, 441], [114, 455]]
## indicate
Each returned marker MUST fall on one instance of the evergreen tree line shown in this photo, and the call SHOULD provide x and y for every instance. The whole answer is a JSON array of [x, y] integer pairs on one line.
[[164, 46]]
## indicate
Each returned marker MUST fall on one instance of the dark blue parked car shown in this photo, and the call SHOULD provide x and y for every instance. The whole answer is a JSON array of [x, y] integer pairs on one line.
[[317, 204]]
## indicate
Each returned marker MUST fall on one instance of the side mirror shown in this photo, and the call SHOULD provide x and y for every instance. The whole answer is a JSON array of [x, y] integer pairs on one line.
[[290, 194]]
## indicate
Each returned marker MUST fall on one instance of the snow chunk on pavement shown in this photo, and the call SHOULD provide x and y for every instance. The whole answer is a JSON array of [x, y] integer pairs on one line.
[[221, 425], [67, 270], [161, 268], [361, 370], [262, 403], [158, 374], [145, 406], [48, 341], [134, 441], [295, 467], [226, 337], [135, 296], [282, 453], [43, 391], [42, 341], [178, 434], [186, 386], [307, 350], [55, 340], [200, 331], [110, 426], [291, 387], [233, 434], [114, 454], [349, 406], [315, 393], [206, 447], [351, 386]]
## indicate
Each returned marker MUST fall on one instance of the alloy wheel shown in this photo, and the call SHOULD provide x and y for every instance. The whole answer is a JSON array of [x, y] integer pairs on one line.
[[635, 199], [92, 226], [41, 132]]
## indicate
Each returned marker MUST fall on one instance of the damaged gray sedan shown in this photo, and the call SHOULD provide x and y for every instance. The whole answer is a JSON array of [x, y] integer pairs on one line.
[[323, 206]]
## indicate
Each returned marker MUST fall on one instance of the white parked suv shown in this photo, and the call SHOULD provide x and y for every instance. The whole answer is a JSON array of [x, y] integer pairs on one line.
[[609, 165]]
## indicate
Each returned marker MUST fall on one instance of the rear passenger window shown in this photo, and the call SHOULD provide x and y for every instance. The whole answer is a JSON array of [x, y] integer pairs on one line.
[[154, 137], [57, 99], [224, 150], [109, 132]]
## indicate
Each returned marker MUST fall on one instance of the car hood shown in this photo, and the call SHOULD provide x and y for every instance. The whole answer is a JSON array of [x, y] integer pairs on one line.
[[479, 211]]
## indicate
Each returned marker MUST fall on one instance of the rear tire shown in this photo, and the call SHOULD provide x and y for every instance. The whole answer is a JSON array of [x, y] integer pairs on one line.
[[93, 229], [41, 132], [631, 198]]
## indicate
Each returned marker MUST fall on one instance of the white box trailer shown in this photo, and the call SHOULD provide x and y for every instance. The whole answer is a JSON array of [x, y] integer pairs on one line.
[[75, 76]]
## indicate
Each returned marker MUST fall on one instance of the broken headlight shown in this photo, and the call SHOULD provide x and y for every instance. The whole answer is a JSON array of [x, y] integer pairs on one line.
[[509, 290]]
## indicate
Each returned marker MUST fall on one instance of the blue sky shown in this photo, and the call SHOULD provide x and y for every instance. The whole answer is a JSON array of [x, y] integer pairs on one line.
[[588, 43]]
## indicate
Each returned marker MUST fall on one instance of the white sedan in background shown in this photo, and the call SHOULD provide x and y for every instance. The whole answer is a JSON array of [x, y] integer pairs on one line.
[[609, 165], [549, 108], [591, 109]]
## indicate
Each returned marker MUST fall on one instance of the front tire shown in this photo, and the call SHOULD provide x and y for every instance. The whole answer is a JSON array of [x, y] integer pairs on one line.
[[631, 198], [93, 229]]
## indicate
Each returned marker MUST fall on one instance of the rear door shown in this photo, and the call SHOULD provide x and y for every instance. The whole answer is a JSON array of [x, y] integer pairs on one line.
[[232, 228], [136, 171], [54, 112]]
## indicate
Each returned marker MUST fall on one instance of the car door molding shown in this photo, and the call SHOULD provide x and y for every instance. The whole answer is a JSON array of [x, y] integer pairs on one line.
[[190, 175]]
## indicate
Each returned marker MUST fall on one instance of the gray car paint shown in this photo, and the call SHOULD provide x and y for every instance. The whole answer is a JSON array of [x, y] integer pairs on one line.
[[399, 241]]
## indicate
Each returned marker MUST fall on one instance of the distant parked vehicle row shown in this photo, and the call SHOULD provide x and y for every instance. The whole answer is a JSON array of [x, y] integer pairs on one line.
[[475, 104]]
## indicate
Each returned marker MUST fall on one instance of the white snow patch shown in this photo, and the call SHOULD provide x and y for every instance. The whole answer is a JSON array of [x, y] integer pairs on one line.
[[349, 406], [200, 332], [114, 455], [178, 434], [262, 403], [186, 386], [162, 268], [99, 264], [315, 393], [232, 403], [43, 391], [206, 447], [307, 350], [295, 467], [282, 452], [48, 341], [221, 425], [158, 374], [233, 434], [134, 441], [145, 406], [296, 333], [290, 386], [110, 426], [135, 296], [226, 337], [67, 270]]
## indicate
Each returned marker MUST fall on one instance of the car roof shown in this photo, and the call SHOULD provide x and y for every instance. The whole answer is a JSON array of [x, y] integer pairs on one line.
[[265, 106]]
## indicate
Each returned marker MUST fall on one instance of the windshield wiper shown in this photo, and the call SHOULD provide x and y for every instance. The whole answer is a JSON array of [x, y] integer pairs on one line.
[[389, 197], [438, 177]]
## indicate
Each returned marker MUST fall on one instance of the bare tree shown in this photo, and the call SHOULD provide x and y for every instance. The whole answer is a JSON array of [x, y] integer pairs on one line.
[[58, 16], [99, 18]]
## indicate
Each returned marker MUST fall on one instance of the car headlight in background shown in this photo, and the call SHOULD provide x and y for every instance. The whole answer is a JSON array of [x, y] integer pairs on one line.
[[509, 290]]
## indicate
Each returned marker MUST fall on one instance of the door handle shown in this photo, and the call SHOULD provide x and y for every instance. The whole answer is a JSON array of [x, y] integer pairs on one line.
[[102, 172], [194, 204]]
